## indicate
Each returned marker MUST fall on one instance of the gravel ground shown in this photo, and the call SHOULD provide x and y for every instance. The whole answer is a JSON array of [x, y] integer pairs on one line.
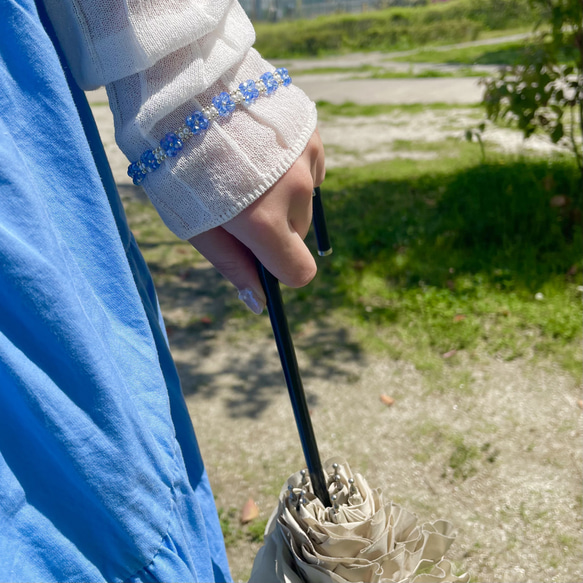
[[499, 454], [517, 512]]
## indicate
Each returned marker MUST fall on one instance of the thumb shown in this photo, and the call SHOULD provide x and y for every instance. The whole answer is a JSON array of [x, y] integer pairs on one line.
[[234, 262]]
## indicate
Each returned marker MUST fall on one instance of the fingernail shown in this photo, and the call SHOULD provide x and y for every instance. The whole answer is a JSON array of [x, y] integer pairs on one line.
[[252, 300]]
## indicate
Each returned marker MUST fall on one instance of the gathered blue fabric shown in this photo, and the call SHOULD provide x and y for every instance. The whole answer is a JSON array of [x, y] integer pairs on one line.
[[101, 478]]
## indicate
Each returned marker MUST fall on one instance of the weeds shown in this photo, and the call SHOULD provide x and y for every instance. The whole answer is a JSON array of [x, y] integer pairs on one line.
[[327, 110], [505, 53], [451, 255], [234, 532]]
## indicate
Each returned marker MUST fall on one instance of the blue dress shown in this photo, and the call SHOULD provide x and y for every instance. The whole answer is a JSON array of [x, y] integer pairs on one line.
[[101, 477]]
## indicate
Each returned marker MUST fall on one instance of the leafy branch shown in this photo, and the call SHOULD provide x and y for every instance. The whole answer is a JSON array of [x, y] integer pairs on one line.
[[544, 93]]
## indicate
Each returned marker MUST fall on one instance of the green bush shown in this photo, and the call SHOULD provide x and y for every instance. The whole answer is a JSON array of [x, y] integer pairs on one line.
[[392, 29]]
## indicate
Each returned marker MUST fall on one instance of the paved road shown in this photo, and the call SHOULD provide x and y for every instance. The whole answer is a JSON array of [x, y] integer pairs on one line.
[[375, 91], [337, 88], [462, 90]]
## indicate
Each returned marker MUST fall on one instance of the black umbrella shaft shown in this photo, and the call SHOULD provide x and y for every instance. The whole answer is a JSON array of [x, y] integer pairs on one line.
[[291, 372]]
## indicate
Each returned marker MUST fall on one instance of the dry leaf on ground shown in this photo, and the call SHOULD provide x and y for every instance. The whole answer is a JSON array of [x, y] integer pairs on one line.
[[386, 400], [250, 511]]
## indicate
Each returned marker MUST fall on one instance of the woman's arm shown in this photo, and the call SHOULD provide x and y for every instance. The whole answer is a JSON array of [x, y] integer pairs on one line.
[[243, 187]]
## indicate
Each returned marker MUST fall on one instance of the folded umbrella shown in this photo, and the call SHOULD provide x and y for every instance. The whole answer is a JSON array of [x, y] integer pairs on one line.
[[329, 525], [361, 537]]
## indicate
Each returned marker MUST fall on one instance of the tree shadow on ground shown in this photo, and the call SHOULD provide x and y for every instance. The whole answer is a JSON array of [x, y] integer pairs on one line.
[[212, 325], [517, 220], [513, 225]]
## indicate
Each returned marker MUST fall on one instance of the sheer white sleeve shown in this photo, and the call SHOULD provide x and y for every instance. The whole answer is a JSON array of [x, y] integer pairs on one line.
[[162, 60]]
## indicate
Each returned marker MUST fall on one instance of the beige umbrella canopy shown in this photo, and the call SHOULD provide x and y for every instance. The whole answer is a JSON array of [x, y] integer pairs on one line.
[[361, 538], [329, 525]]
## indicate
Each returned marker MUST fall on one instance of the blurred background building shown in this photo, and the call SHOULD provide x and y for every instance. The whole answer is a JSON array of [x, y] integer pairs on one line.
[[274, 10]]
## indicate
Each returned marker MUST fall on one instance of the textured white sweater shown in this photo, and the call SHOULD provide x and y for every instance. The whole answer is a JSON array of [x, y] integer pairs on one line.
[[162, 59]]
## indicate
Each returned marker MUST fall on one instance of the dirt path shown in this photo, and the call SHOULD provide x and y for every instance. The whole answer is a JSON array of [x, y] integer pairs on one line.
[[515, 433]]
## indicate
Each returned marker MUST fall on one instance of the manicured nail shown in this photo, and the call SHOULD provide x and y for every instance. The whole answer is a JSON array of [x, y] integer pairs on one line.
[[252, 300]]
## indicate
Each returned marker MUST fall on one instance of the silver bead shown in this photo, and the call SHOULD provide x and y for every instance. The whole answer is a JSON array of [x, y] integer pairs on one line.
[[211, 112], [184, 132], [304, 475], [261, 86], [237, 96]]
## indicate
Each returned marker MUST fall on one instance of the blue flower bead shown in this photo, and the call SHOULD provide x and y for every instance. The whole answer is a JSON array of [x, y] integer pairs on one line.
[[197, 122], [171, 144], [224, 104], [284, 76], [270, 82], [249, 91], [135, 173], [149, 161]]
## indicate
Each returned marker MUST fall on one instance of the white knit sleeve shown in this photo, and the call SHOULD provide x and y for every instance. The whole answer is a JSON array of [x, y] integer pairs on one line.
[[162, 60]]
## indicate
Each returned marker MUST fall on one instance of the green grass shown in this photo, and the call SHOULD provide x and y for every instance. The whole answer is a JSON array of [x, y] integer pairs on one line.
[[431, 258], [327, 110], [344, 70], [234, 532], [448, 255], [371, 72], [393, 28], [505, 53], [508, 53], [427, 74], [462, 460]]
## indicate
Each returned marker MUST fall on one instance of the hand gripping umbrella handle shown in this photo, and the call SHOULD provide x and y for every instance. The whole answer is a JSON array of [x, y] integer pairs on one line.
[[289, 362]]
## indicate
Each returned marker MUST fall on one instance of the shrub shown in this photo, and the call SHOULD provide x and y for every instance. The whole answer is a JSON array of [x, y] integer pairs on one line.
[[391, 29]]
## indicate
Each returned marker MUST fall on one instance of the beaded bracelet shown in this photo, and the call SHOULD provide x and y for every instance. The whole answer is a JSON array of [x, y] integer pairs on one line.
[[199, 121]]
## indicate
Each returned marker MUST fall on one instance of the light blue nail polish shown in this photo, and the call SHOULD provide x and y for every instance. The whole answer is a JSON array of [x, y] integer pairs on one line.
[[252, 300]]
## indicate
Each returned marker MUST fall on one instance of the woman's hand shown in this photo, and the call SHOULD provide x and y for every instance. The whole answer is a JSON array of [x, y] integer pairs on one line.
[[272, 229]]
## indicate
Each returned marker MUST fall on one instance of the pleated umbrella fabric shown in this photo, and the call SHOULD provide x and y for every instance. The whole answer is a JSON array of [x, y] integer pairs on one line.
[[360, 538]]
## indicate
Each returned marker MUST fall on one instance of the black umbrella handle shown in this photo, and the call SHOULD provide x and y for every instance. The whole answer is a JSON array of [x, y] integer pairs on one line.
[[293, 379], [287, 355], [320, 228]]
